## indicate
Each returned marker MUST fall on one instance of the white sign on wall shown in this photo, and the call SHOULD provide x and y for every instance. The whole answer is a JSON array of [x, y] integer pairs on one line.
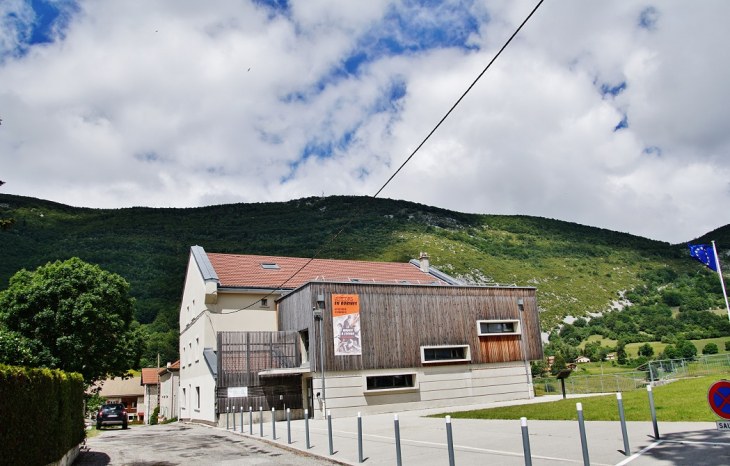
[[237, 392]]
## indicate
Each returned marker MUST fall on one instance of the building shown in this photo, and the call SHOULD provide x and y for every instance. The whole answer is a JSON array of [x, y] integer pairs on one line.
[[150, 382], [581, 359], [169, 388], [396, 336], [127, 391]]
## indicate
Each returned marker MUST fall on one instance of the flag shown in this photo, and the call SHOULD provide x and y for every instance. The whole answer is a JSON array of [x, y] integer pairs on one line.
[[704, 254]]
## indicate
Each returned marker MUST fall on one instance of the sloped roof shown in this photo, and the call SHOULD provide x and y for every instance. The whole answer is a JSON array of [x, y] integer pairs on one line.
[[149, 376], [117, 387], [175, 366], [246, 271]]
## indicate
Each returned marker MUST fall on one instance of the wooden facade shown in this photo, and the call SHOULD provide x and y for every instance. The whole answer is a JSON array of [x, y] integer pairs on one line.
[[396, 320]]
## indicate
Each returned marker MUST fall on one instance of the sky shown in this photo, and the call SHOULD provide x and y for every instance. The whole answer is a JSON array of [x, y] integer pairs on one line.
[[610, 114]]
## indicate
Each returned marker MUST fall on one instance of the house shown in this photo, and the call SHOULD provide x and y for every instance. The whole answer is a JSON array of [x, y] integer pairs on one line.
[[610, 356], [126, 391], [572, 366], [550, 360], [396, 336], [581, 359], [150, 381], [169, 388]]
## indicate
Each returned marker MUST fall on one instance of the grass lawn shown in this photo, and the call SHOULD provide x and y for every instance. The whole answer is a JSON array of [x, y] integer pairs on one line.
[[683, 400], [632, 349]]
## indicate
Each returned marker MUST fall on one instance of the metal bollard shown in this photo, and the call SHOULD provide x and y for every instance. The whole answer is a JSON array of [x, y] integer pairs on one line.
[[261, 421], [241, 418], [359, 438], [627, 450], [288, 425], [250, 419], [526, 442], [450, 440], [397, 442], [234, 419], [306, 426], [329, 431], [273, 423], [228, 410], [653, 412], [582, 427]]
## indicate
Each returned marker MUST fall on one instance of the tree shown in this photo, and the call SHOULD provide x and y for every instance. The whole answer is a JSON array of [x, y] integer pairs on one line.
[[621, 356], [689, 350], [646, 350], [727, 345], [72, 316], [558, 364], [710, 348]]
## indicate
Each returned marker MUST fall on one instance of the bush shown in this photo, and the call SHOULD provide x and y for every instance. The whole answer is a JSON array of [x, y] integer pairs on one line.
[[727, 345], [710, 348], [42, 414], [155, 413]]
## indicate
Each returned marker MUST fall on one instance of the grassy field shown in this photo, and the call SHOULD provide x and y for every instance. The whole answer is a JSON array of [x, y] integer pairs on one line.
[[632, 349], [683, 400]]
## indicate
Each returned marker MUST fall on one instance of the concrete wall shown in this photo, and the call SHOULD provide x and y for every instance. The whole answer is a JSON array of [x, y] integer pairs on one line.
[[442, 386]]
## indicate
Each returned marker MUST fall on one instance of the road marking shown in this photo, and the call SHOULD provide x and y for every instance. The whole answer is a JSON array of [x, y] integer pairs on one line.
[[691, 442], [636, 455]]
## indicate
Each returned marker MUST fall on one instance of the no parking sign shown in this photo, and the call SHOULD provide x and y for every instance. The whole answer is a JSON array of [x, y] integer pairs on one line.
[[719, 398]]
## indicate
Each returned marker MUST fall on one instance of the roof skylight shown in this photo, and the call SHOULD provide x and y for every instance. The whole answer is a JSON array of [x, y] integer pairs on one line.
[[270, 265]]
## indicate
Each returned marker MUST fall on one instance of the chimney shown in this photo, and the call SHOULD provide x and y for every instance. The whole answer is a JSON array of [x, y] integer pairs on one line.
[[424, 262]]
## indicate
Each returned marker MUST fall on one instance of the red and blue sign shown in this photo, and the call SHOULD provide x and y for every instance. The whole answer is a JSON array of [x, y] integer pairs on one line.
[[719, 398]]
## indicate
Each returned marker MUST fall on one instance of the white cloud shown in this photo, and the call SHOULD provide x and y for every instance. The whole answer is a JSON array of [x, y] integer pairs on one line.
[[178, 103]]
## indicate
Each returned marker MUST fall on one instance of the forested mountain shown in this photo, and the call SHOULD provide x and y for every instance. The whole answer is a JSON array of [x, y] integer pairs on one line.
[[576, 269]]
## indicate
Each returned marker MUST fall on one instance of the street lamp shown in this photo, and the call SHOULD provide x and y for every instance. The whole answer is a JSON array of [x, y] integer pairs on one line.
[[520, 305], [319, 315]]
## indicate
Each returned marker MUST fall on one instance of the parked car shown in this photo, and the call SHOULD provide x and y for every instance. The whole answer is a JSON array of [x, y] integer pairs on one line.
[[112, 414]]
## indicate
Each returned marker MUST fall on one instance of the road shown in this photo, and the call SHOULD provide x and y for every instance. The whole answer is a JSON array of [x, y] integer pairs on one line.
[[183, 445]]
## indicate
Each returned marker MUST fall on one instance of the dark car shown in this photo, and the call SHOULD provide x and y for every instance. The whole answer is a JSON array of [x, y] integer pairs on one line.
[[112, 414]]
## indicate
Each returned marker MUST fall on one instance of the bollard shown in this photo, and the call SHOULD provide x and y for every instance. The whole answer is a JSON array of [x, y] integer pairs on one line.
[[397, 442], [653, 412], [329, 431], [288, 426], [582, 427], [228, 410], [359, 438], [450, 440], [234, 419], [627, 450], [273, 423], [306, 426], [526, 442], [261, 421], [250, 419], [241, 418]]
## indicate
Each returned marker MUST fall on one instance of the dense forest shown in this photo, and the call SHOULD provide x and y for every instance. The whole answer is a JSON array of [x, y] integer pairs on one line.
[[577, 270]]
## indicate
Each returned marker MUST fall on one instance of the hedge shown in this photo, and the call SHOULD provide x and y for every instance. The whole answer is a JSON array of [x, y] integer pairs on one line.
[[41, 413]]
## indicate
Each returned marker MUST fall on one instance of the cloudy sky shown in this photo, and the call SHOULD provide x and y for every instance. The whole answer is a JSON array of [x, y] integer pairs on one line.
[[612, 114]]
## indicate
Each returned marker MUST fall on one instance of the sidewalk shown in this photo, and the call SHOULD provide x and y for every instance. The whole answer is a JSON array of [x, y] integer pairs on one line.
[[477, 442]]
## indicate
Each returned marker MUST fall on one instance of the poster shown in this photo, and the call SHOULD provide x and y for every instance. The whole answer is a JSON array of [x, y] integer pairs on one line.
[[346, 323]]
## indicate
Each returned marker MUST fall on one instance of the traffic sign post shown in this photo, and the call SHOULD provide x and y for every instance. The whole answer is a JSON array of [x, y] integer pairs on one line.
[[718, 396]]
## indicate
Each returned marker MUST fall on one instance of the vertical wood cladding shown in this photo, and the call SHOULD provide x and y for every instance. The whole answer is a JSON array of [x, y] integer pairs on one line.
[[396, 320]]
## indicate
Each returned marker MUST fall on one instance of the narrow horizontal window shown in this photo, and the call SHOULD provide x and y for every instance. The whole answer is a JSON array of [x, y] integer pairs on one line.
[[498, 327], [385, 382], [457, 353], [270, 266]]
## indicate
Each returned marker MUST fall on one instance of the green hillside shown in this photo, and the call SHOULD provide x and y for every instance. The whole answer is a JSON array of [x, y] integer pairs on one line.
[[576, 269]]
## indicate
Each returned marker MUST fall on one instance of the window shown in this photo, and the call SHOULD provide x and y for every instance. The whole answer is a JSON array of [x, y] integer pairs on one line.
[[264, 302], [197, 349], [435, 354], [183, 359], [390, 383], [184, 397], [197, 395], [498, 327], [271, 266], [190, 354]]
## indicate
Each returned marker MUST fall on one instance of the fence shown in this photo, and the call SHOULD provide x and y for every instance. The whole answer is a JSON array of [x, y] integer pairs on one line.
[[587, 384], [672, 369]]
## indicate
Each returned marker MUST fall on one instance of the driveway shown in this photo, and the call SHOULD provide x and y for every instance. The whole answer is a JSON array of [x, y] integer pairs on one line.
[[183, 444]]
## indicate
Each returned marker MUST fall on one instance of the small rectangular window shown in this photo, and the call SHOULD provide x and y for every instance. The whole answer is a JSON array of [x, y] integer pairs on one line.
[[270, 266], [197, 395], [498, 327], [264, 302], [434, 354], [387, 383]]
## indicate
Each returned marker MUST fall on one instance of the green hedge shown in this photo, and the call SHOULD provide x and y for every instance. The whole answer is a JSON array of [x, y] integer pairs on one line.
[[41, 413]]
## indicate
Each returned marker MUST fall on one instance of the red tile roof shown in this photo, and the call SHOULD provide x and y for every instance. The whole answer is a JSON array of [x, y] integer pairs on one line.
[[175, 366], [246, 271], [149, 376]]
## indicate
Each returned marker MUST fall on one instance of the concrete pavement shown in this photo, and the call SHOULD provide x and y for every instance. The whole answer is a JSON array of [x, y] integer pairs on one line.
[[423, 440]]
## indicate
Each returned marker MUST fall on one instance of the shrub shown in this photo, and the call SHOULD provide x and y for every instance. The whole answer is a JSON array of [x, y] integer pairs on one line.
[[42, 414], [155, 413], [710, 348], [727, 345]]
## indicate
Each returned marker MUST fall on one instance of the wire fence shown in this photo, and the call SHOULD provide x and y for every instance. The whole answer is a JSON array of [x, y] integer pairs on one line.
[[652, 372]]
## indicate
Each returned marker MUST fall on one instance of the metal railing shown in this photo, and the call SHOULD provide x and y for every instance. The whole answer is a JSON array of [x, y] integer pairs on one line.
[[672, 369], [587, 384]]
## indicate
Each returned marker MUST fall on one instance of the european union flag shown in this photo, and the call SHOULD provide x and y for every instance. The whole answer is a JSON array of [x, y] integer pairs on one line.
[[704, 254]]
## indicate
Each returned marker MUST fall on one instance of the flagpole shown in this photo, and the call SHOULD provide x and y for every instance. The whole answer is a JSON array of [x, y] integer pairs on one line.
[[722, 281]]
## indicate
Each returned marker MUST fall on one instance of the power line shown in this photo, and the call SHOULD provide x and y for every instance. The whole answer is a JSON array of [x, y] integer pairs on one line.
[[370, 200]]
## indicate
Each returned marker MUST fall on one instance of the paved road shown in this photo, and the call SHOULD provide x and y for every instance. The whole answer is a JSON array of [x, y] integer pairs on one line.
[[178, 444]]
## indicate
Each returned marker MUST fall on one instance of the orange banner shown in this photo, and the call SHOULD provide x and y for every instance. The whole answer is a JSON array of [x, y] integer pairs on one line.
[[344, 304]]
